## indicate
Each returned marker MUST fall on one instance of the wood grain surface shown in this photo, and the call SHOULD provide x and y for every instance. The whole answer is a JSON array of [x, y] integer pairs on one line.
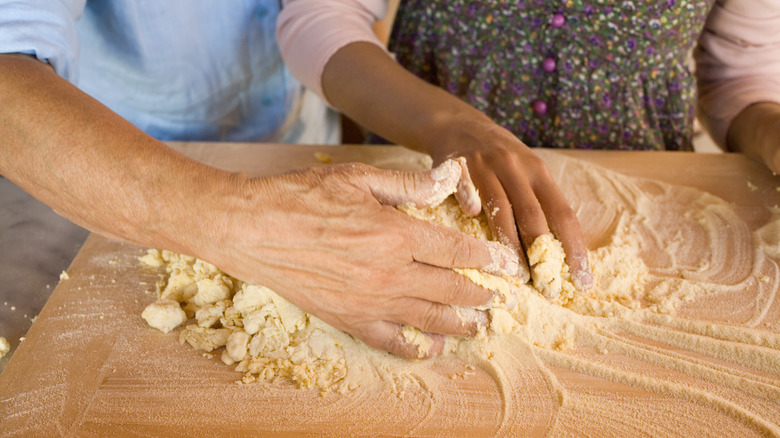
[[90, 366]]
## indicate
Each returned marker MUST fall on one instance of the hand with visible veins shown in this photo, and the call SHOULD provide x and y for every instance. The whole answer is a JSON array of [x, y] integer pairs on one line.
[[328, 239], [331, 241], [520, 198]]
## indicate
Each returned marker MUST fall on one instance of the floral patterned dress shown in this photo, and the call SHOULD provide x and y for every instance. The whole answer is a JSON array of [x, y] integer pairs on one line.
[[593, 74]]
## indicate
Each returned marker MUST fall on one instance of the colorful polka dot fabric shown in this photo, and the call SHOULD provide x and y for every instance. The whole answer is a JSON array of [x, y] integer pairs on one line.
[[563, 73]]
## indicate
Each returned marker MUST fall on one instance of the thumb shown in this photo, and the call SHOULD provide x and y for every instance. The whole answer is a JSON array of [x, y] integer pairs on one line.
[[420, 189], [467, 194]]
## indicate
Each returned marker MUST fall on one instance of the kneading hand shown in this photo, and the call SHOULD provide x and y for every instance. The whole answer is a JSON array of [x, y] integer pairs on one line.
[[520, 198], [331, 241]]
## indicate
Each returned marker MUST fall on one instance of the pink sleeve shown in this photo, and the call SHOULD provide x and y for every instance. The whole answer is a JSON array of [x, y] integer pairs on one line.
[[737, 61], [309, 32]]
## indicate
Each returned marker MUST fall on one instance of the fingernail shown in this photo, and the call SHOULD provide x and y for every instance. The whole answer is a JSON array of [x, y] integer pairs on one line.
[[583, 280], [472, 318], [468, 197], [581, 277], [445, 182], [505, 260]]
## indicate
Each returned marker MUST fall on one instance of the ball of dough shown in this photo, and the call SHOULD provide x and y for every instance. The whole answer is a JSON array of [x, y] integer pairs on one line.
[[164, 315]]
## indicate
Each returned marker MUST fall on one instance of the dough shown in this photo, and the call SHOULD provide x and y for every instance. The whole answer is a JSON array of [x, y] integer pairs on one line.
[[5, 347], [164, 315], [684, 305], [266, 336]]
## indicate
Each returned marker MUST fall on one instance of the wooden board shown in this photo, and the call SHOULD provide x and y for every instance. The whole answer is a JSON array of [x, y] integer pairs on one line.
[[90, 366]]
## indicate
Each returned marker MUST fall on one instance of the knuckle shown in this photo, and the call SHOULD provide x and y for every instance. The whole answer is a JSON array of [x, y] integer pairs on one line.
[[526, 211], [391, 344], [411, 183], [540, 168], [568, 217], [503, 155], [457, 291], [397, 345], [460, 250], [563, 214], [431, 317]]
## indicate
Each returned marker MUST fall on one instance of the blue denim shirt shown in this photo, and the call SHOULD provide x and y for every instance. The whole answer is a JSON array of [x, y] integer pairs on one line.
[[177, 69]]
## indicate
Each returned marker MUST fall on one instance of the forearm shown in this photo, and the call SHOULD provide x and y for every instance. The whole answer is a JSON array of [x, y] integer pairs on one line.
[[324, 237], [755, 132], [514, 184], [92, 166], [363, 82]]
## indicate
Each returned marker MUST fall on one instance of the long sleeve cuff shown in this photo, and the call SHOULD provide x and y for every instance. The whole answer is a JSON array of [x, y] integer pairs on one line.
[[310, 32], [737, 62]]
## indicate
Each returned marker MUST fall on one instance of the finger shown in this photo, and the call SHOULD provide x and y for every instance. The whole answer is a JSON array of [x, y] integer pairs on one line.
[[439, 318], [445, 247], [421, 189], [501, 220], [389, 337], [528, 213], [467, 194], [445, 286], [773, 160], [565, 226]]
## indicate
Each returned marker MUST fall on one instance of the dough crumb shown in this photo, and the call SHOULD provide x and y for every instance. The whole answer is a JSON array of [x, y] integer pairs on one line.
[[64, 276], [549, 271], [152, 258], [419, 339], [164, 315], [5, 347], [323, 157]]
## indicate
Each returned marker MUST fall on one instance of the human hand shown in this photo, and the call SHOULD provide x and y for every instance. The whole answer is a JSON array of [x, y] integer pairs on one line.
[[772, 155], [520, 198], [756, 133], [331, 241], [513, 182]]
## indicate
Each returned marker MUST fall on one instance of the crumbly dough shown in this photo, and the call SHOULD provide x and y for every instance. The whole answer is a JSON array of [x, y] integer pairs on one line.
[[670, 312], [164, 315], [265, 336], [5, 347], [549, 271]]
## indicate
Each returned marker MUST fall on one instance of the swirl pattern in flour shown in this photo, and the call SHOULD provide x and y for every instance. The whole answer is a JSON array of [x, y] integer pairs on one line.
[[684, 315]]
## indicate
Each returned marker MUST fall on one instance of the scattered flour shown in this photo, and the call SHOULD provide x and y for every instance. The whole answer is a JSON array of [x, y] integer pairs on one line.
[[650, 265]]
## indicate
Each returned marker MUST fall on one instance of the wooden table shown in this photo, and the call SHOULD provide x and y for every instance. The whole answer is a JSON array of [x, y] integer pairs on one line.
[[90, 366]]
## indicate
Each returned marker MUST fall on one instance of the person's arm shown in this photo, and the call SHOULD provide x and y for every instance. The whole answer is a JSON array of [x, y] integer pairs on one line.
[[328, 239], [755, 132], [738, 77], [520, 197]]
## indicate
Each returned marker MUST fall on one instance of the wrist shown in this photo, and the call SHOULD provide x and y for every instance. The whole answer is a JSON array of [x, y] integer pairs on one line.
[[755, 131], [200, 210], [456, 132]]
